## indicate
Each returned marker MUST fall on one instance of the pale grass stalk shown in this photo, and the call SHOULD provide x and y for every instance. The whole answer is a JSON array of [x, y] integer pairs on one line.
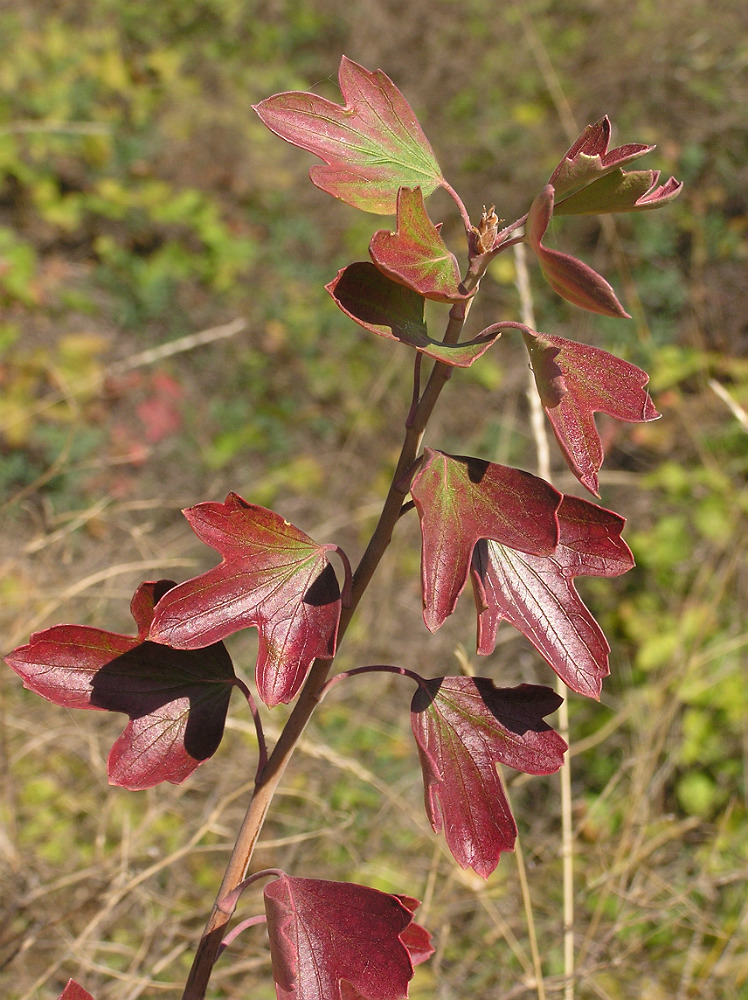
[[540, 435]]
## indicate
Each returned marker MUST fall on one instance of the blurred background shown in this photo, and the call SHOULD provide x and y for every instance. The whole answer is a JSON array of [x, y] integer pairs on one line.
[[165, 338]]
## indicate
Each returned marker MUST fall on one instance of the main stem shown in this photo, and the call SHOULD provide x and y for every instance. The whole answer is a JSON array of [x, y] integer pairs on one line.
[[268, 779]]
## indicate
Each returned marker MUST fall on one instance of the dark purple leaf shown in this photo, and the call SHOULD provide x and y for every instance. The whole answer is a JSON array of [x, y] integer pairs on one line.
[[176, 699], [574, 382], [415, 255], [463, 727], [372, 146], [273, 577], [460, 500], [568, 277], [536, 594], [337, 940], [391, 310]]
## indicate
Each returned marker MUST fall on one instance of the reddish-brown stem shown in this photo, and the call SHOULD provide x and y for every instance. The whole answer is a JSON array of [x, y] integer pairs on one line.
[[268, 779]]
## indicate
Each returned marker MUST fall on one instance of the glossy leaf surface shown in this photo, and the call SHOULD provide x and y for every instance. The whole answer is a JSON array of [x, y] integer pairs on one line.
[[176, 699], [337, 940], [574, 382], [391, 310], [372, 145], [569, 277], [416, 255], [536, 594], [461, 500], [272, 577], [464, 726]]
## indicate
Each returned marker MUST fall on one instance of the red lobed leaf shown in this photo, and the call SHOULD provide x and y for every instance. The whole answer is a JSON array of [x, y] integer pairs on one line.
[[463, 726], [536, 594], [415, 255], [588, 158], [73, 991], [176, 699], [461, 500], [392, 310], [568, 277], [372, 145], [272, 577], [337, 940], [574, 382]]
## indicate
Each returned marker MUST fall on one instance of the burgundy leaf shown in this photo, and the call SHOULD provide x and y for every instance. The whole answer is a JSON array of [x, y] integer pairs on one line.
[[416, 255], [74, 992], [574, 382], [372, 146], [568, 277], [589, 158], [463, 726], [273, 577], [337, 940], [460, 500], [176, 699], [536, 594], [391, 310]]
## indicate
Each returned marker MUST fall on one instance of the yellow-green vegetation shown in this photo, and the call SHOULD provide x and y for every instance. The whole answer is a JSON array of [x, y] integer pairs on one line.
[[141, 203]]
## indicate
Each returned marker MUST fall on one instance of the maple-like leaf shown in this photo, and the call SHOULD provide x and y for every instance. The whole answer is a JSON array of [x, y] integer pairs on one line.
[[338, 940], [589, 179], [461, 500], [574, 382], [415, 255], [273, 577], [392, 310], [372, 145], [74, 991], [176, 699], [569, 277], [463, 726], [537, 595]]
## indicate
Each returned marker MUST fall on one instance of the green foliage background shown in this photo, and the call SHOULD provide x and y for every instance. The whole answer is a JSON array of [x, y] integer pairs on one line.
[[141, 202]]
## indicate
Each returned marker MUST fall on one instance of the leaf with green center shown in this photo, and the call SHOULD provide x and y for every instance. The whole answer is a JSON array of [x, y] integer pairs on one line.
[[415, 255], [621, 191], [176, 699], [74, 992], [273, 577], [461, 500], [536, 594], [574, 382], [391, 310], [372, 145], [568, 277], [338, 940], [463, 727]]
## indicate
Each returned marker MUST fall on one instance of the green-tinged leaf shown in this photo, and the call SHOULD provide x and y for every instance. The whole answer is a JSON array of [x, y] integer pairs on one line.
[[416, 255], [589, 158], [620, 191], [568, 277], [391, 310], [372, 145]]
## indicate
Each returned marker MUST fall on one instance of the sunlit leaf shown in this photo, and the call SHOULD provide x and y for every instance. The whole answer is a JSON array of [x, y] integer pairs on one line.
[[372, 145], [461, 500], [537, 595], [272, 577], [73, 991], [464, 726]]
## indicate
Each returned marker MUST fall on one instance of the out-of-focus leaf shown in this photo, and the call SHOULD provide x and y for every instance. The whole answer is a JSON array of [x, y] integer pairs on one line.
[[176, 699], [569, 277], [416, 255], [463, 726], [391, 310], [536, 594], [273, 577], [337, 940], [461, 500], [73, 991], [574, 382], [372, 145]]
